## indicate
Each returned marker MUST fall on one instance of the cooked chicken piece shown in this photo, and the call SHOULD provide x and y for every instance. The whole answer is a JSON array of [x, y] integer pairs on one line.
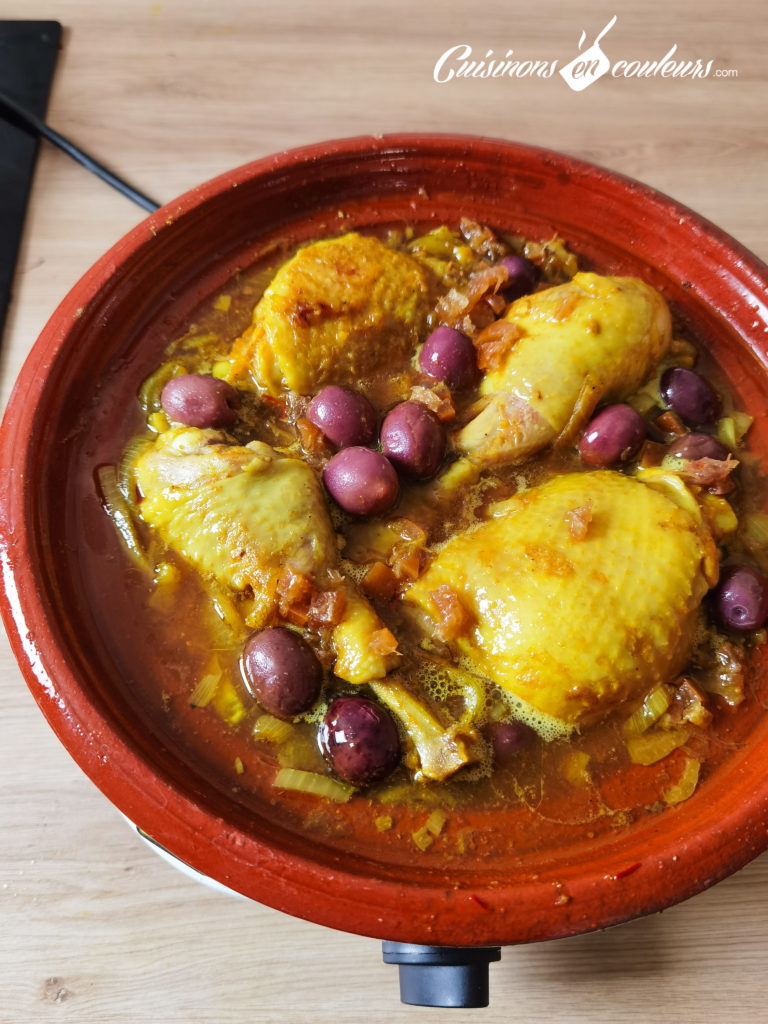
[[594, 339], [336, 312], [579, 593], [440, 751], [243, 514]]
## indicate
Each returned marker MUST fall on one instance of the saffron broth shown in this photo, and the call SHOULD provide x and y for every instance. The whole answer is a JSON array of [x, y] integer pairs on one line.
[[558, 792]]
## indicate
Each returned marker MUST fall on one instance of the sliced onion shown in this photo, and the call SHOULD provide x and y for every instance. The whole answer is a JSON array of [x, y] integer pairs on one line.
[[685, 785], [650, 747], [119, 512], [271, 729], [313, 784]]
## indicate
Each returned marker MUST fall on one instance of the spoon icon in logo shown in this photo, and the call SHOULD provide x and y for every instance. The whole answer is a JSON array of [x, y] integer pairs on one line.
[[587, 67]]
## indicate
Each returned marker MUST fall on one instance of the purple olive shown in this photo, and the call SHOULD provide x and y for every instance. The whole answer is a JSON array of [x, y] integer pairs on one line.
[[615, 435], [200, 400], [741, 598], [508, 739], [523, 277], [282, 671], [345, 417], [362, 481], [689, 395], [698, 446], [360, 740], [449, 355], [413, 439]]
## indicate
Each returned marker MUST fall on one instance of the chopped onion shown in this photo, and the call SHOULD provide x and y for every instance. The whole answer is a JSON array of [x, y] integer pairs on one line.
[[685, 785], [755, 532], [422, 838], [158, 422], [434, 823], [119, 512], [125, 470], [648, 748], [313, 784], [227, 611], [652, 708], [221, 369], [719, 514], [271, 729], [205, 691], [672, 487], [227, 703], [554, 258], [726, 677], [732, 429], [440, 242], [575, 768], [198, 341]]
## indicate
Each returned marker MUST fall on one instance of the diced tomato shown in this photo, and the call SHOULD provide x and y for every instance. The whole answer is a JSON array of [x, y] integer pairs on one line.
[[455, 620], [326, 608], [380, 582]]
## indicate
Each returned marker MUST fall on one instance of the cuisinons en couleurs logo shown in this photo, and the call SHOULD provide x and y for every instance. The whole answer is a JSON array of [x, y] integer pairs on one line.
[[590, 63]]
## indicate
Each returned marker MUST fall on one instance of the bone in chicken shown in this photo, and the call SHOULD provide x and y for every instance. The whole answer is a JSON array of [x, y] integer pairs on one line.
[[337, 311], [580, 593], [568, 348], [242, 514]]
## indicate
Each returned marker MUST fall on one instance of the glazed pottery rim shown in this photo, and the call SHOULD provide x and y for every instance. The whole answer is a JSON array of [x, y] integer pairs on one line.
[[696, 850]]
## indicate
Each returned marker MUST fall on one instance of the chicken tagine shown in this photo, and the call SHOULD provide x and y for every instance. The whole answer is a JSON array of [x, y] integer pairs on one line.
[[440, 519]]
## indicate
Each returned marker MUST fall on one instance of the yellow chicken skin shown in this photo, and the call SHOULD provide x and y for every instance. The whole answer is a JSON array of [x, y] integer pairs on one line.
[[336, 312], [582, 592], [594, 339], [242, 514]]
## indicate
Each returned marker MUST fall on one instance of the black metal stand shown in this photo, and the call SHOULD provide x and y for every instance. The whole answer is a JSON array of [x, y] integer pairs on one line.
[[449, 976]]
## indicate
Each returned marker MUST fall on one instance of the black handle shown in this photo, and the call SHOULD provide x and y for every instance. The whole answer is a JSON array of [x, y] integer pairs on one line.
[[448, 976]]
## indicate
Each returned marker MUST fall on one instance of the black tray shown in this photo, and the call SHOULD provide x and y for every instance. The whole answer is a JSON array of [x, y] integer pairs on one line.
[[28, 52]]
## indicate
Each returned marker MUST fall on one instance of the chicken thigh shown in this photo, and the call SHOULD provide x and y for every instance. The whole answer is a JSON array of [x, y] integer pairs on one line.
[[579, 593], [567, 348], [243, 514], [335, 312]]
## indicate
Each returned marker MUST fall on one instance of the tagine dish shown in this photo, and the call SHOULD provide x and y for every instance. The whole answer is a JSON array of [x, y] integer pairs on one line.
[[384, 532], [441, 544]]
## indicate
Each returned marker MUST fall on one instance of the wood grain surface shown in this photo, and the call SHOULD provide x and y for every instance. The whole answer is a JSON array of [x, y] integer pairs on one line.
[[93, 926]]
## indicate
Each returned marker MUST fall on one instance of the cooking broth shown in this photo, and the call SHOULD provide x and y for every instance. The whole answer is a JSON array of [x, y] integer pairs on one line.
[[188, 635]]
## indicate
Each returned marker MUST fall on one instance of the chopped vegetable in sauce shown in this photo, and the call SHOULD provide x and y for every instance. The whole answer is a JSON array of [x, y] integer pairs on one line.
[[451, 514]]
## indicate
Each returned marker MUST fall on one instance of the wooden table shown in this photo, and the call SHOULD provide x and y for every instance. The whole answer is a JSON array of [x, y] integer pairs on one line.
[[93, 926]]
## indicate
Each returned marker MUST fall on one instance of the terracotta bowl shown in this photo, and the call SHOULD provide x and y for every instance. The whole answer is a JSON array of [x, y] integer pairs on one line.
[[74, 398]]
